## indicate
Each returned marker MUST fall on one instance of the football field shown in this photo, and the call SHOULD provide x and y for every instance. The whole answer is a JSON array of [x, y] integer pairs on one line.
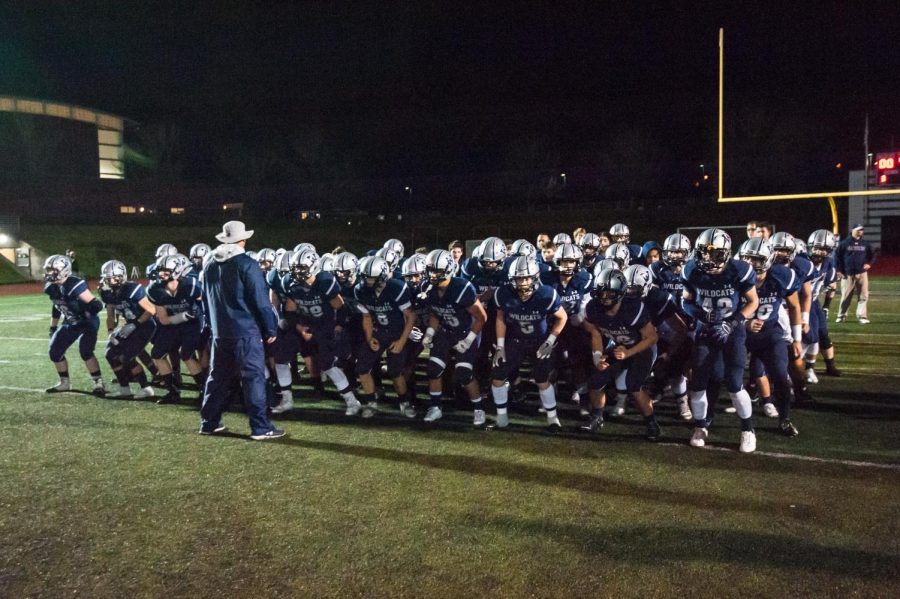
[[110, 498]]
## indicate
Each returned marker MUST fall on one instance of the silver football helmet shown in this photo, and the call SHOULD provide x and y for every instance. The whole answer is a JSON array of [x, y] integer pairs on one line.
[[198, 253], [166, 249], [282, 261], [375, 270], [620, 253], [638, 281], [413, 268], [821, 244], [326, 262], [522, 247], [113, 274], [524, 275], [590, 244], [396, 245], [57, 268], [619, 233], [610, 287], [605, 264], [561, 238], [390, 256], [758, 253], [439, 266], [266, 258], [305, 264], [172, 268], [493, 253], [345, 268], [785, 246], [303, 246], [568, 258], [713, 250], [676, 249]]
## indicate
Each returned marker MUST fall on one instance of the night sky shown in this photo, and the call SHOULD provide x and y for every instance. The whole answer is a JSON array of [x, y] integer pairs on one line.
[[425, 88]]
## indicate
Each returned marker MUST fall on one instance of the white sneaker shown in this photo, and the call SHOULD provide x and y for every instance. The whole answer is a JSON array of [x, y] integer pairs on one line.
[[698, 439], [145, 392], [286, 403], [576, 397], [684, 408], [59, 387], [434, 413], [748, 442], [502, 420], [863, 320], [369, 409], [811, 377], [353, 407], [584, 411], [619, 408], [123, 391], [407, 410], [479, 418], [839, 318], [770, 410], [99, 389]]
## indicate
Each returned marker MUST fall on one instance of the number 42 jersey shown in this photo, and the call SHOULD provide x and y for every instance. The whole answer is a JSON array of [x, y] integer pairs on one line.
[[715, 297]]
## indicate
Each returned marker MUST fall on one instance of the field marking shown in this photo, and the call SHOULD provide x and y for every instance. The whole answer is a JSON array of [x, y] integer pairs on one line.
[[23, 319], [802, 458], [25, 389]]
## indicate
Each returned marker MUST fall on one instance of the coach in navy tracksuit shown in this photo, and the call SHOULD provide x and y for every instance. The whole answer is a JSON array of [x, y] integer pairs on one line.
[[236, 299], [853, 259]]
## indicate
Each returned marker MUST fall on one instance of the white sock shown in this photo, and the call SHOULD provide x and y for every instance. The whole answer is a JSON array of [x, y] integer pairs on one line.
[[548, 400], [500, 395], [620, 380], [283, 372], [337, 377], [679, 387], [741, 402], [699, 404]]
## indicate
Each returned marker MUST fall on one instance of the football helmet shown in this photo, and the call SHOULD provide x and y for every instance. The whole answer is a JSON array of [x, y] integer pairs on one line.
[[523, 274], [282, 262], [326, 262], [638, 281], [57, 268], [251, 254], [172, 268], [523, 247], [620, 253], [413, 268], [676, 249], [713, 250], [801, 248], [390, 256], [166, 249], [590, 244], [396, 245], [302, 246], [493, 253], [561, 238], [198, 253], [604, 264], [345, 268], [305, 264], [619, 233], [375, 270], [568, 258], [113, 274], [758, 253], [439, 266], [785, 247], [609, 287], [265, 257], [821, 245]]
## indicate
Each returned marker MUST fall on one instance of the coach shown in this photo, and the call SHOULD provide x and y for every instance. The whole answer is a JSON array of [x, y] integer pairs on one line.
[[853, 259], [240, 315]]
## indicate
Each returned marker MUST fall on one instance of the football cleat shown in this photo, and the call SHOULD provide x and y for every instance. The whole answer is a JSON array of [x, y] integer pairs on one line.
[[370, 409], [553, 427], [169, 398], [479, 418], [730, 410], [594, 425], [748, 442], [698, 439], [433, 414], [502, 420], [286, 403], [863, 320], [407, 410], [788, 429], [684, 408], [832, 371], [770, 410], [811, 377], [653, 431], [353, 407], [99, 390], [123, 391], [619, 408], [59, 387], [839, 319], [145, 392]]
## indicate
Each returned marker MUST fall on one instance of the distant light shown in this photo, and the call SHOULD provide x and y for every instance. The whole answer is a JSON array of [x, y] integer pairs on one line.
[[4, 238], [706, 177], [562, 174], [838, 165], [224, 207], [696, 183], [141, 209], [407, 189], [349, 223]]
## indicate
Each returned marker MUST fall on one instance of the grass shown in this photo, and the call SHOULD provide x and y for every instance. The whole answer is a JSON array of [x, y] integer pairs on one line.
[[109, 498], [9, 274]]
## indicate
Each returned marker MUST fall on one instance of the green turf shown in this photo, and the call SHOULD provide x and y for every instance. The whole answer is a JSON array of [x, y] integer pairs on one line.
[[115, 498], [9, 274]]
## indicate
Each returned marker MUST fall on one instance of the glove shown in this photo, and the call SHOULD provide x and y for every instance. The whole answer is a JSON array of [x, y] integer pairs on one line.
[[499, 356], [546, 348], [283, 324], [415, 335], [723, 330], [126, 330], [428, 338], [463, 345], [53, 330]]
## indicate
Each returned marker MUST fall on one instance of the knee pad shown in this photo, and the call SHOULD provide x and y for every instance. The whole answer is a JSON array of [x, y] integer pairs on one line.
[[825, 342], [86, 355], [464, 373], [435, 368]]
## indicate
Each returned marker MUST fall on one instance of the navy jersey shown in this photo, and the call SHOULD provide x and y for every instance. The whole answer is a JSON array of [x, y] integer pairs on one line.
[[527, 321], [482, 279], [666, 279], [386, 308], [185, 298], [419, 305], [779, 283], [194, 271], [313, 301], [573, 294], [637, 254], [716, 297], [452, 308], [804, 269], [823, 276], [623, 327], [150, 271], [275, 283], [658, 304], [65, 300], [126, 300]]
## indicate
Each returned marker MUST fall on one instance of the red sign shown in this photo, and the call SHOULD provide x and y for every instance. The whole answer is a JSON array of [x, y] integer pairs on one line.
[[887, 168]]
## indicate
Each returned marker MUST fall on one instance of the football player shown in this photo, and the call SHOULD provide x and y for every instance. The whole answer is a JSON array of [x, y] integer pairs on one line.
[[387, 320], [166, 249], [455, 323], [176, 297], [524, 308], [619, 233], [413, 271], [74, 303], [719, 294], [821, 246], [623, 339], [590, 248], [127, 299]]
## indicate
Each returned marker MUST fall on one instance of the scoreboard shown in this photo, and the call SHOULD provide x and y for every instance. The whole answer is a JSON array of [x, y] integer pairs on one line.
[[887, 168]]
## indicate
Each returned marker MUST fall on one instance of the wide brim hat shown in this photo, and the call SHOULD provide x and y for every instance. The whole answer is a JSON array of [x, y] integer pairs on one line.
[[234, 231]]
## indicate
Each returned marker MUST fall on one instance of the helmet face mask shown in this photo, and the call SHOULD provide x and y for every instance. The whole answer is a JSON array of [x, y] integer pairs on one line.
[[609, 288], [620, 253], [345, 268], [524, 287], [113, 274], [375, 272], [620, 233], [305, 264], [439, 267], [57, 268], [713, 251]]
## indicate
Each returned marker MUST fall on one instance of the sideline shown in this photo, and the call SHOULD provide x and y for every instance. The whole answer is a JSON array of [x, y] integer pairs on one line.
[[790, 456]]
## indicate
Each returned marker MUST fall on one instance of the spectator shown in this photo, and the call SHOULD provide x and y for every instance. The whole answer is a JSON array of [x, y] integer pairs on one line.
[[548, 251], [751, 229], [240, 316], [542, 238], [853, 259], [651, 252], [577, 234], [763, 229], [70, 254], [457, 250]]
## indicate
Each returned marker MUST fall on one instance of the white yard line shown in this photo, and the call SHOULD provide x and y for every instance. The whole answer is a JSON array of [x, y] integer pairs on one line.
[[800, 458], [25, 389]]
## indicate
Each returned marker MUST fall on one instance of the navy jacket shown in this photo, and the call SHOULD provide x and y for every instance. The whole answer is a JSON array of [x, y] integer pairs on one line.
[[852, 254], [236, 297]]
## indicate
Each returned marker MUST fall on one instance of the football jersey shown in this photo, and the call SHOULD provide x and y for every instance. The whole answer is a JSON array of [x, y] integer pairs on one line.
[[452, 308], [666, 279], [623, 327], [65, 299], [804, 269], [823, 276], [658, 304], [386, 308], [126, 299], [482, 279], [573, 294], [779, 283], [716, 297], [637, 254], [527, 320], [313, 301], [185, 298]]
